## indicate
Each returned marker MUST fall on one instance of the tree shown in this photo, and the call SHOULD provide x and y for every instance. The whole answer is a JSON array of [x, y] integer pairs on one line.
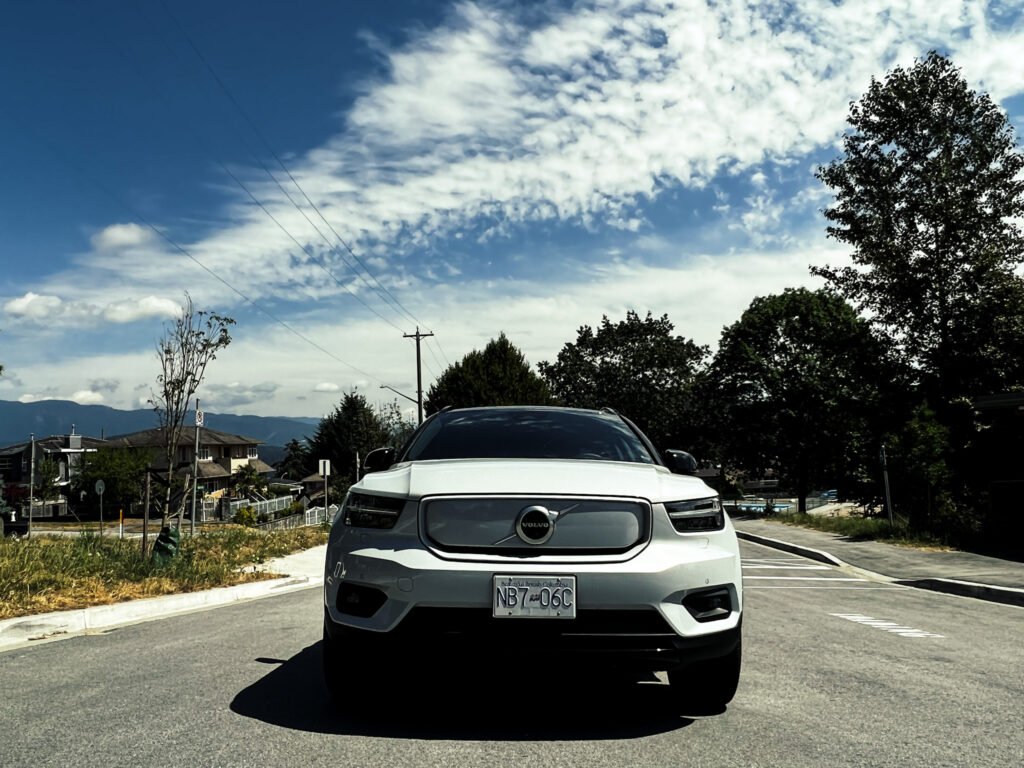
[[497, 375], [296, 463], [123, 472], [247, 481], [352, 428], [47, 479], [930, 193], [188, 345], [795, 386], [636, 366]]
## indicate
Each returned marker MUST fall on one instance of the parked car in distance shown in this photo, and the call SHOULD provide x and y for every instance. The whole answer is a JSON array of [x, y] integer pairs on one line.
[[552, 534]]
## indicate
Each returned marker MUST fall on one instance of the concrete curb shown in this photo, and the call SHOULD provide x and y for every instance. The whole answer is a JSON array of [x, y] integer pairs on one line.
[[24, 630], [794, 549], [1005, 595], [988, 592]]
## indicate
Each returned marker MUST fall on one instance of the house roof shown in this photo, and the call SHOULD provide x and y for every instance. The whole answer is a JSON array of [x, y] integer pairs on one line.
[[51, 444], [154, 438]]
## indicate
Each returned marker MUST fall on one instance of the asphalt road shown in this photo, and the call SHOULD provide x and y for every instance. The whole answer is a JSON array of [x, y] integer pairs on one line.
[[838, 671]]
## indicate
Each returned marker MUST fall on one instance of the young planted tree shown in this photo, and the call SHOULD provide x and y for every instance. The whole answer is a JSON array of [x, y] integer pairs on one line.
[[636, 366], [496, 375], [188, 345]]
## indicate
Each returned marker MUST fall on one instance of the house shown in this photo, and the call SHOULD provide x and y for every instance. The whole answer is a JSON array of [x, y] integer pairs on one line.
[[220, 457], [61, 454]]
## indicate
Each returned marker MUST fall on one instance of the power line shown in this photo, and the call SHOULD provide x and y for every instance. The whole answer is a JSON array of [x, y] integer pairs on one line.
[[381, 290], [319, 261], [167, 238]]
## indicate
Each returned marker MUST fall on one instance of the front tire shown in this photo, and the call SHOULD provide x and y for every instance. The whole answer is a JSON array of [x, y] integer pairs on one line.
[[707, 685]]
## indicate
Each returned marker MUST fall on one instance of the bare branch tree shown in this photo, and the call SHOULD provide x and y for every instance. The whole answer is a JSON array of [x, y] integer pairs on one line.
[[188, 345]]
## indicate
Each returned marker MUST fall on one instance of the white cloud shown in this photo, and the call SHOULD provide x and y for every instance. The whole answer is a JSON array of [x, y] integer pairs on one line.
[[31, 398], [121, 236], [86, 397], [137, 309], [33, 306], [501, 117], [232, 394]]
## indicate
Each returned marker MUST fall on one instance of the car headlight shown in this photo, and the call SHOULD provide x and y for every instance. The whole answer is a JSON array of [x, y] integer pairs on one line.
[[696, 515], [365, 511]]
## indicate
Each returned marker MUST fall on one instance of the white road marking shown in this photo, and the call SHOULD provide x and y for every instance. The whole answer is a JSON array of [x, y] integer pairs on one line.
[[802, 578], [759, 588], [888, 626], [786, 567]]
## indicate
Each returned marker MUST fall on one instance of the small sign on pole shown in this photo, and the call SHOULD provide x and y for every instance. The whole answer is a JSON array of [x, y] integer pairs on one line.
[[325, 471]]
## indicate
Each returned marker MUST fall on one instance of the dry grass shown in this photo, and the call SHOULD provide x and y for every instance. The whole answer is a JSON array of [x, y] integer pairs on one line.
[[860, 528], [47, 573]]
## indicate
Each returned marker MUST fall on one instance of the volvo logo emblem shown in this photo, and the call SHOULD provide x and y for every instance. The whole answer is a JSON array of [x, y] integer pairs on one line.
[[535, 524]]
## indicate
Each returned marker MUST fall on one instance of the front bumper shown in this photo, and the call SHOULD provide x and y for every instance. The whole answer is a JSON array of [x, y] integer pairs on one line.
[[632, 609]]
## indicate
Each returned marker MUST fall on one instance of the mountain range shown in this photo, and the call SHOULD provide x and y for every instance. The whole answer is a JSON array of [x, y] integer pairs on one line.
[[57, 417]]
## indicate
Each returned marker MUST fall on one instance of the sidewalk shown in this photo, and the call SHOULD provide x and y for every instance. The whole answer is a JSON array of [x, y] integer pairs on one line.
[[300, 570], [961, 573]]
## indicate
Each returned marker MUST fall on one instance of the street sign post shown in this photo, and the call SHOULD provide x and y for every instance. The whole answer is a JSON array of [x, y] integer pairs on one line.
[[100, 488], [325, 470]]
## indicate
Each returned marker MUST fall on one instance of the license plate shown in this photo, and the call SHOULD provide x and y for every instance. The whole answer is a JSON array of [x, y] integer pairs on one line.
[[545, 597]]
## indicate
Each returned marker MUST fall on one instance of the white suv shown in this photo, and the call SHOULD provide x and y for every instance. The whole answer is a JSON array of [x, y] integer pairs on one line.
[[533, 529]]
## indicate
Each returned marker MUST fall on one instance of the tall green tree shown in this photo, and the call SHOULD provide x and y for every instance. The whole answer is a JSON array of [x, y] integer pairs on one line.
[[496, 375], [354, 427], [296, 463], [796, 386], [929, 193], [637, 366]]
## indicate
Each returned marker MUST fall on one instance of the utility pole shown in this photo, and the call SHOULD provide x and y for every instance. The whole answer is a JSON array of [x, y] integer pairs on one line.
[[888, 496], [31, 483], [419, 370]]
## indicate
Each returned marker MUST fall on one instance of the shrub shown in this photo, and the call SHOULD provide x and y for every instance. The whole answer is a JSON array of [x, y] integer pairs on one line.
[[245, 516]]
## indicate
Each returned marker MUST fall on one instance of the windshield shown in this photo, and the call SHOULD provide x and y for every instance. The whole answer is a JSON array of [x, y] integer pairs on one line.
[[523, 433]]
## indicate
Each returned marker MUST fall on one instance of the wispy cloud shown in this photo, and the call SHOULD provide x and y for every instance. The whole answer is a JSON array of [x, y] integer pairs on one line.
[[511, 115]]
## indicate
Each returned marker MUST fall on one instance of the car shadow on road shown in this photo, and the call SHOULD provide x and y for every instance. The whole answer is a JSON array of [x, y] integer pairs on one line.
[[506, 703]]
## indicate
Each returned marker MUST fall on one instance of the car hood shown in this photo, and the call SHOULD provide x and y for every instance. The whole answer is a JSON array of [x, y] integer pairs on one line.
[[548, 477]]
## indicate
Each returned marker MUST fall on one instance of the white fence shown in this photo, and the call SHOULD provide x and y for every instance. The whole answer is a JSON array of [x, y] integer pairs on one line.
[[221, 509], [312, 516]]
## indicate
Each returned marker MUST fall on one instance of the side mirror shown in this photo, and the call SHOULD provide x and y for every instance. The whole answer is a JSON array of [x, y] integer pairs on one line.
[[679, 462], [378, 460]]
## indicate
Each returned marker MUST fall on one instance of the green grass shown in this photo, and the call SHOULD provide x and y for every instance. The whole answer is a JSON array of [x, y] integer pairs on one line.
[[50, 573], [862, 529]]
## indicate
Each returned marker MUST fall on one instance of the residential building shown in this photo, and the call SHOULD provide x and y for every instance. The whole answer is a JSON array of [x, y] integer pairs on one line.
[[220, 456], [61, 454]]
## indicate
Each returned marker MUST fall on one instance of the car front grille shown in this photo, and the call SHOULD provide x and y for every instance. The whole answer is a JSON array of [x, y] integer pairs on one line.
[[525, 526]]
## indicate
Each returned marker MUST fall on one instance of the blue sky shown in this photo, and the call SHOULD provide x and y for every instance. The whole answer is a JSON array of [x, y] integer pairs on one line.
[[334, 174]]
